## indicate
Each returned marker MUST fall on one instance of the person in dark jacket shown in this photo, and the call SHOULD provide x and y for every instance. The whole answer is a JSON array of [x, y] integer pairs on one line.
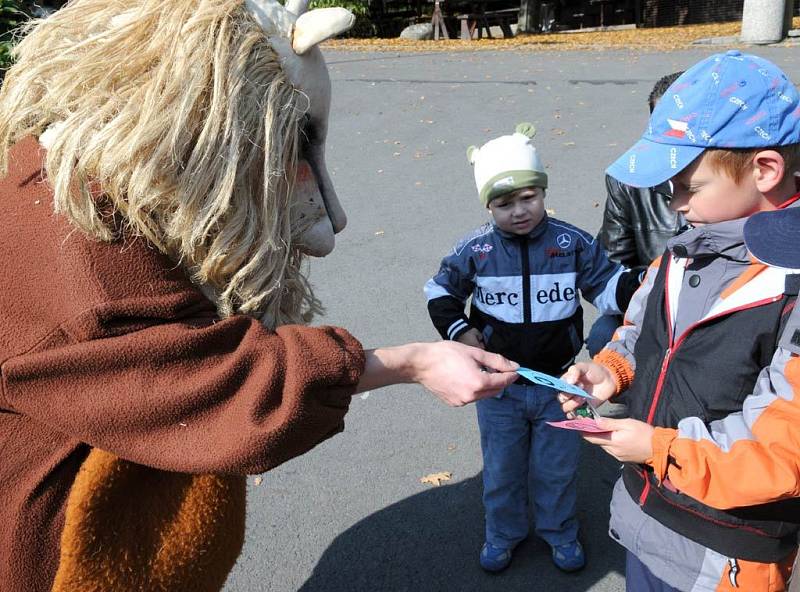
[[637, 223], [524, 272]]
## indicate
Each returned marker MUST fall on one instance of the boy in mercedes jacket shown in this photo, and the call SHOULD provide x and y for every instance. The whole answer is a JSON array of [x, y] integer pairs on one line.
[[708, 351], [524, 272]]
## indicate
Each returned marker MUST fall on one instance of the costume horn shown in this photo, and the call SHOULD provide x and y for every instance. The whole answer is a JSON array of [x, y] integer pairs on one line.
[[318, 25], [296, 7], [272, 17], [304, 29]]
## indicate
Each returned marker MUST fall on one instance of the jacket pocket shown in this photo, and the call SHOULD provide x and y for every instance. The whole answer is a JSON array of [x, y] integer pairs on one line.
[[626, 517]]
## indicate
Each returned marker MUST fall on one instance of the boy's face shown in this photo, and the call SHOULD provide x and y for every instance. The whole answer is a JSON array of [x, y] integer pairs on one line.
[[705, 195], [520, 211]]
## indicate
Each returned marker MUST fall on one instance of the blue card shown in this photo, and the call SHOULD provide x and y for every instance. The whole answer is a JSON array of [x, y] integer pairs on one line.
[[553, 382]]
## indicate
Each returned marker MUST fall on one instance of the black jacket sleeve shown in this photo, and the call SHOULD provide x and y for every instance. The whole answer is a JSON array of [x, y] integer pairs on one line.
[[617, 235], [627, 285], [447, 294]]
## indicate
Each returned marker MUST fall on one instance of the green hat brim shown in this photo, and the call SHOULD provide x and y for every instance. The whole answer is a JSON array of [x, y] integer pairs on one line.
[[509, 181]]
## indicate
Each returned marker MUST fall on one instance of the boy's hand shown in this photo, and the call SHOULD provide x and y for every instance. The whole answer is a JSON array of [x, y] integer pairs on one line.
[[628, 440], [595, 379], [472, 337]]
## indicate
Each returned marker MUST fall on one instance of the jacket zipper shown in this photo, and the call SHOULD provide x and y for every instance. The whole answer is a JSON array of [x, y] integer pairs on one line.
[[651, 413], [668, 354], [526, 283], [671, 348], [659, 385]]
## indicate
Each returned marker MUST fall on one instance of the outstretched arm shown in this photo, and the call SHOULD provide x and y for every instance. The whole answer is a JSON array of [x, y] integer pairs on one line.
[[455, 373]]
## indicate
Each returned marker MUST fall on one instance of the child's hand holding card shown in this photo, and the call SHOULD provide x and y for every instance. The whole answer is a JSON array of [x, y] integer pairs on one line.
[[581, 424], [586, 424], [553, 382]]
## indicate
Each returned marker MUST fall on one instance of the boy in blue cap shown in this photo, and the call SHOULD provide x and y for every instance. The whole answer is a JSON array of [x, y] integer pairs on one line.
[[708, 352]]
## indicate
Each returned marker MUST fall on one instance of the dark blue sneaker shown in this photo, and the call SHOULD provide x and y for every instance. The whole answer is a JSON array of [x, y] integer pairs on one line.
[[494, 558], [569, 557]]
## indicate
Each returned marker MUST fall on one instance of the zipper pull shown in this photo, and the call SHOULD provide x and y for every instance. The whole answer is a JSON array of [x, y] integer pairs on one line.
[[666, 359], [733, 571]]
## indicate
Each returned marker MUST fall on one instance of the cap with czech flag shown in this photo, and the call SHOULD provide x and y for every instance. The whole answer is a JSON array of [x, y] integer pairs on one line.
[[730, 100]]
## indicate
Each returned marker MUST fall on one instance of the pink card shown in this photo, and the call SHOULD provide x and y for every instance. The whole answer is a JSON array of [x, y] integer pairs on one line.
[[582, 424]]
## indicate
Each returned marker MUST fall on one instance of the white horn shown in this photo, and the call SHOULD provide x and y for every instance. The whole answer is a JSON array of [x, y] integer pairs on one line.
[[272, 17], [296, 7], [318, 25]]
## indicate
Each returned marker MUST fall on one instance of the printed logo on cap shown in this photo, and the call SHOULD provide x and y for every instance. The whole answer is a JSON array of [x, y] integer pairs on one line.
[[677, 128]]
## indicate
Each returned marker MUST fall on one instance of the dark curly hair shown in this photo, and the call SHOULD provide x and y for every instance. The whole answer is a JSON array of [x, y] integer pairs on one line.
[[660, 88]]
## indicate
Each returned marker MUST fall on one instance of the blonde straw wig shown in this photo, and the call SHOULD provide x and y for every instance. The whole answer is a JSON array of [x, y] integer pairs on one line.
[[179, 110]]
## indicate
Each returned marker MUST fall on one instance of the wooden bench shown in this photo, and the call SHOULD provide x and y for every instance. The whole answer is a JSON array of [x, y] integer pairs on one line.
[[389, 17], [473, 21]]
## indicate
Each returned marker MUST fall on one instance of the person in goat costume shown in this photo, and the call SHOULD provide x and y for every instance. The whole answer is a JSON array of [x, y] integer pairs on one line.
[[149, 340]]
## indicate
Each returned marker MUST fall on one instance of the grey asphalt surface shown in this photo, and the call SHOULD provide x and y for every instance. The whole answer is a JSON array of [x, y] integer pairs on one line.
[[352, 515]]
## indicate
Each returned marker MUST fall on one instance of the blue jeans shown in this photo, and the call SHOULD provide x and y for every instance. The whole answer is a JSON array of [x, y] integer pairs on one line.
[[520, 448], [640, 579], [601, 333]]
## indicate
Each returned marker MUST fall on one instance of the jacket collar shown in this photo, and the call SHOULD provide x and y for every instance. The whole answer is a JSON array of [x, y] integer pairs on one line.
[[723, 239], [537, 231]]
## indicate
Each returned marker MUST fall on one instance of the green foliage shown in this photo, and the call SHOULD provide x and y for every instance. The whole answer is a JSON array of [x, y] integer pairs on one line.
[[357, 7], [12, 16], [360, 8]]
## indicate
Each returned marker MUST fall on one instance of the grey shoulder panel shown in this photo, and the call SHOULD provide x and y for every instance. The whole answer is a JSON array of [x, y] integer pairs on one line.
[[483, 230]]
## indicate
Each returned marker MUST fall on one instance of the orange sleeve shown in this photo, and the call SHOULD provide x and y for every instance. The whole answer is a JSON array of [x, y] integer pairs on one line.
[[661, 441], [740, 463], [620, 367]]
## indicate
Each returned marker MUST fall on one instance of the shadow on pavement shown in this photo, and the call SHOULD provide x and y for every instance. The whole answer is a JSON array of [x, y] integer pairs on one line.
[[430, 541]]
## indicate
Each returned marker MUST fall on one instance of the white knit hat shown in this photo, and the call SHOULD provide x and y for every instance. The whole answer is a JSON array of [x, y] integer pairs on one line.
[[506, 164]]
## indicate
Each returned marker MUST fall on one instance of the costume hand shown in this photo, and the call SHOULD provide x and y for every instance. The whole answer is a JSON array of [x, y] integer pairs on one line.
[[472, 337], [628, 440], [595, 379], [459, 374]]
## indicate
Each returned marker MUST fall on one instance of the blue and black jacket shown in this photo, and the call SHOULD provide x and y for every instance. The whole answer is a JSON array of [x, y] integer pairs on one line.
[[525, 291]]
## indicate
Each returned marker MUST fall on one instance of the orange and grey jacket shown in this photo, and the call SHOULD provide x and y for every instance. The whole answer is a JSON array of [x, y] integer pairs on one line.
[[704, 337]]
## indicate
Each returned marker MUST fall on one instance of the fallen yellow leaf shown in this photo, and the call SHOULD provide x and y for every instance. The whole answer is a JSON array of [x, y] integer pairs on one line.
[[653, 39], [436, 478]]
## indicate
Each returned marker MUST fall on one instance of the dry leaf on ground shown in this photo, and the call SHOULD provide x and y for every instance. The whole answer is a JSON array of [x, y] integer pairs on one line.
[[644, 39], [436, 478]]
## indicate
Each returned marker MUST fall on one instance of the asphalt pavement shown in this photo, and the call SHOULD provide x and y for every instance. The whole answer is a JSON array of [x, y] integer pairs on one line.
[[352, 514]]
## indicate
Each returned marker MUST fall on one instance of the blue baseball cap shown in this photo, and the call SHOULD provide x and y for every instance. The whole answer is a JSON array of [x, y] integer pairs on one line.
[[728, 100], [774, 237]]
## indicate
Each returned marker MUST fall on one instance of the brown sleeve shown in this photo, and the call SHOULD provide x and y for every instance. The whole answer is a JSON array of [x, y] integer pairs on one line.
[[191, 395]]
